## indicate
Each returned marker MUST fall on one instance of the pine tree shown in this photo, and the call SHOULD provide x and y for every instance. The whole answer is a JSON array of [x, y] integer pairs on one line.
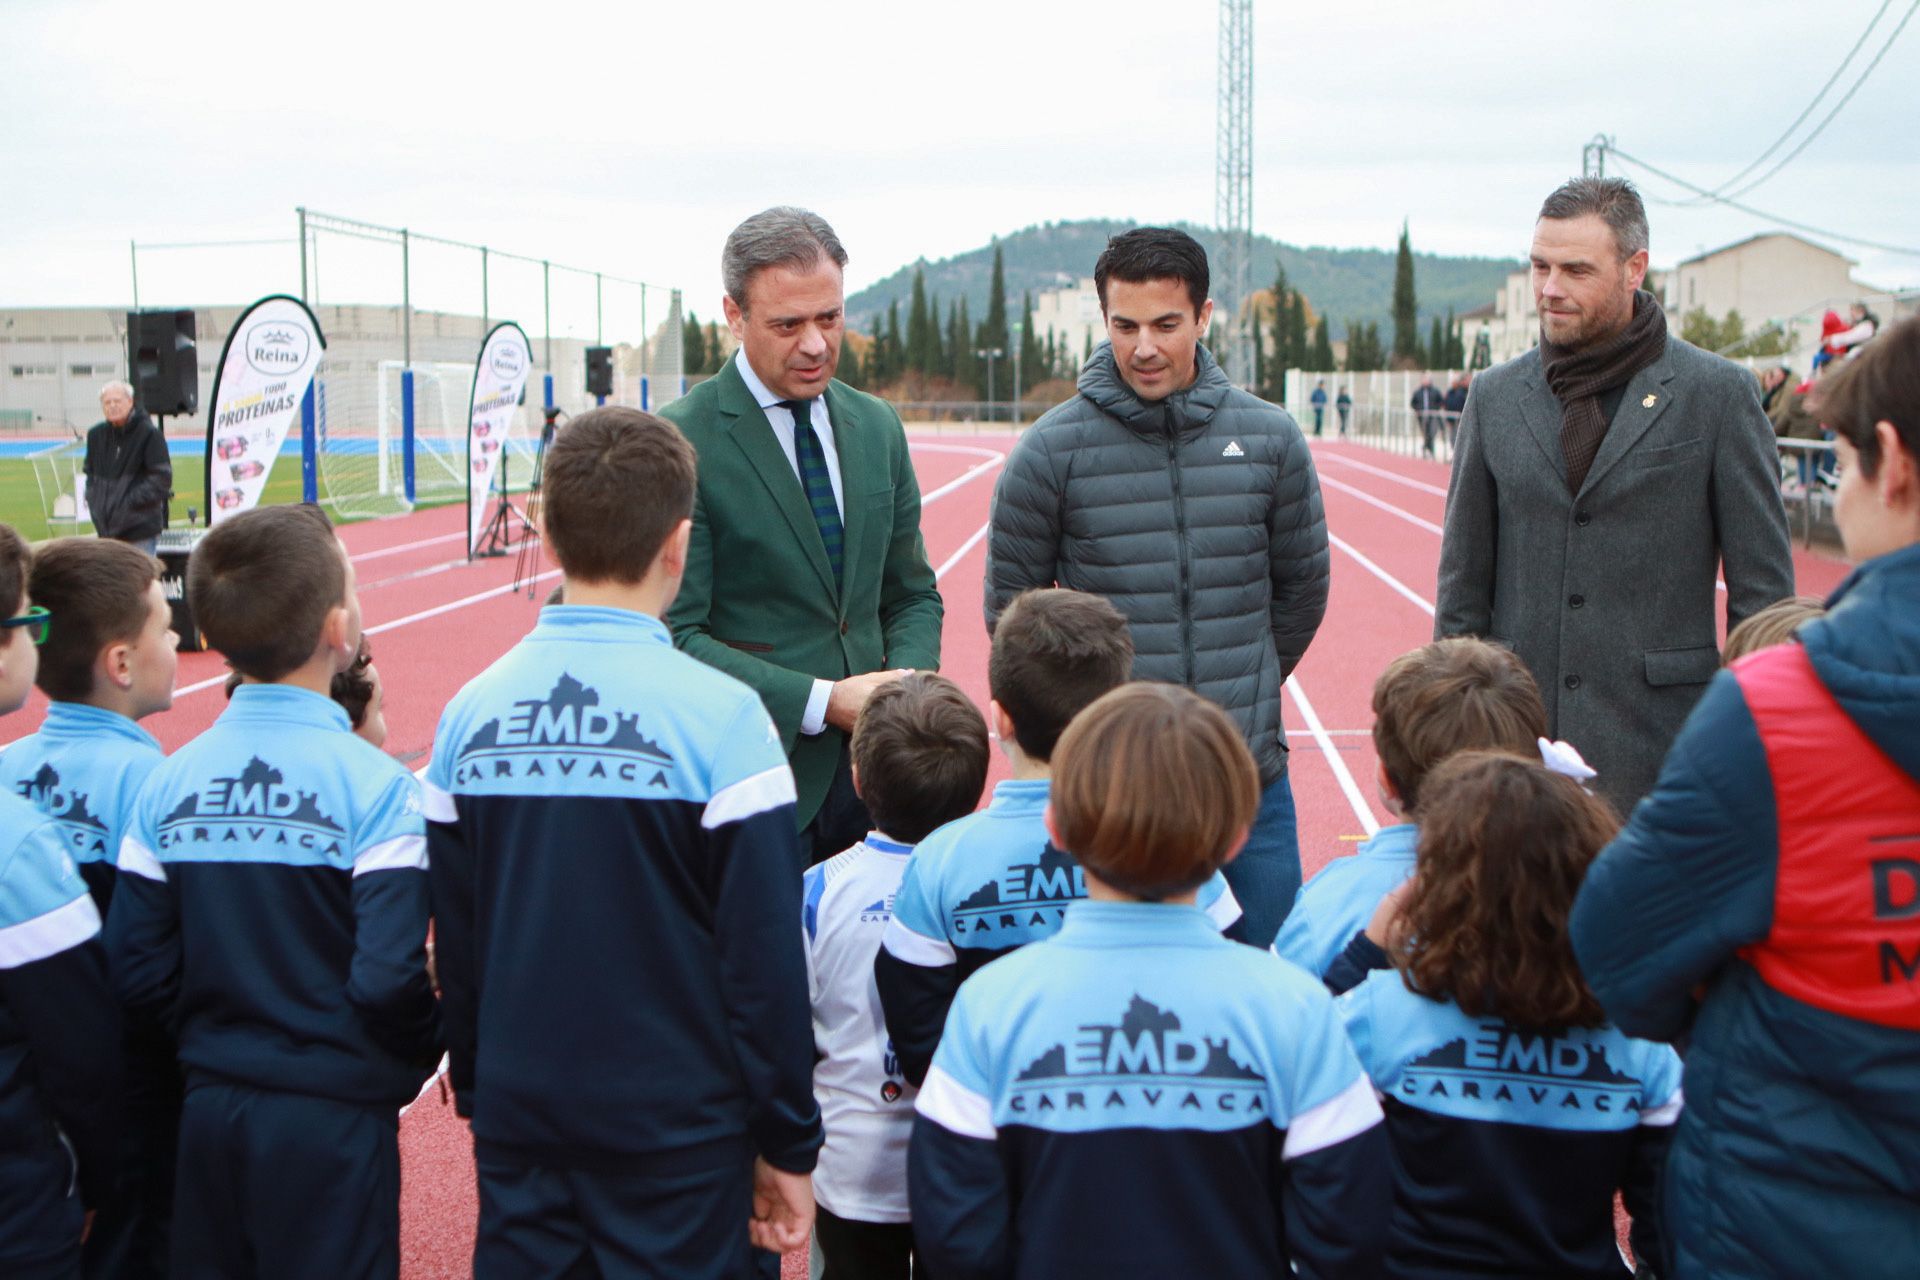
[[1032, 358], [1406, 307], [1322, 347]]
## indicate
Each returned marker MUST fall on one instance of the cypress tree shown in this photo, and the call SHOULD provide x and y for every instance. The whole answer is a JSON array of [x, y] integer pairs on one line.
[[937, 359], [1406, 307], [848, 370], [896, 352], [917, 326], [993, 330], [716, 348], [1032, 368], [1437, 346], [1260, 362], [966, 365], [693, 345], [1297, 329], [1282, 357], [1322, 347]]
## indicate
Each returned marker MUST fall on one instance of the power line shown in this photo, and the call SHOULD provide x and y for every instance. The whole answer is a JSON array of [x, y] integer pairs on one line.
[[1808, 110], [1905, 250], [1837, 107]]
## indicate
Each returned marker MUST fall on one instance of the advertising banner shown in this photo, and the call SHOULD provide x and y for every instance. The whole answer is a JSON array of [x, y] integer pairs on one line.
[[265, 369], [499, 378]]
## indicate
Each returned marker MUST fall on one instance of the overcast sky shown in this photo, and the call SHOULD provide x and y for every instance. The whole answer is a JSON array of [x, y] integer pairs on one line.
[[631, 137]]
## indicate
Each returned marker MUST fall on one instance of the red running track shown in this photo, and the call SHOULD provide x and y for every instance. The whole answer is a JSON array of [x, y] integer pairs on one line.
[[437, 620]]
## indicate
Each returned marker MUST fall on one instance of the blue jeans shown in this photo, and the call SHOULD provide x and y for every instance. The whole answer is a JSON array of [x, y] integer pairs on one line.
[[1266, 875]]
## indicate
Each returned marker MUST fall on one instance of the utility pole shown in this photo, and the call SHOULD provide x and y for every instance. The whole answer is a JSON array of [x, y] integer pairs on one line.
[[1233, 180], [1593, 157]]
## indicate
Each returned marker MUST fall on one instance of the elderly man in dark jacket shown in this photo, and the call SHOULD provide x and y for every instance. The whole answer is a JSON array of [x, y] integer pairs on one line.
[[1194, 508], [129, 473]]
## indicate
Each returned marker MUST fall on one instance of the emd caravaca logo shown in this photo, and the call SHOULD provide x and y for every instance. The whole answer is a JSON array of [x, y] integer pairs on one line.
[[1026, 895], [257, 809], [564, 735], [1145, 1066], [86, 834]]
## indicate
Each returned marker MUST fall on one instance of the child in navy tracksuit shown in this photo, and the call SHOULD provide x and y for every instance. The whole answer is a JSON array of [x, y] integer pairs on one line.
[[60, 1063], [993, 882], [272, 905], [612, 828], [1516, 1110], [919, 761], [1452, 695], [108, 662], [1137, 1096]]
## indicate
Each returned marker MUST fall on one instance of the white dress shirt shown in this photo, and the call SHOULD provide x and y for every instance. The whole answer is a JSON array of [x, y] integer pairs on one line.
[[780, 418]]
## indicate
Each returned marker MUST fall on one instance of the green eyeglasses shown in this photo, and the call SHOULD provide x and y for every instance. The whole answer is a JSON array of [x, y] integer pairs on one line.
[[37, 620]]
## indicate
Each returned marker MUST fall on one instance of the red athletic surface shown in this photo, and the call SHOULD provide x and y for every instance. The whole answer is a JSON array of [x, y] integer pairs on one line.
[[415, 565]]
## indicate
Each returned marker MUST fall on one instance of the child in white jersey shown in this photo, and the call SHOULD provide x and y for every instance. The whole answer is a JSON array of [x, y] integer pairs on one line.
[[919, 762]]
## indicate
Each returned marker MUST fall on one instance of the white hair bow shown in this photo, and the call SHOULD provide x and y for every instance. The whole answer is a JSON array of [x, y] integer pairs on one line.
[[1561, 758]]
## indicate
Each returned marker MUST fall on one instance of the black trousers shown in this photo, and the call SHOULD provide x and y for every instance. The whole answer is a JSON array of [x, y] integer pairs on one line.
[[285, 1185], [843, 820], [863, 1250], [131, 1234], [545, 1223]]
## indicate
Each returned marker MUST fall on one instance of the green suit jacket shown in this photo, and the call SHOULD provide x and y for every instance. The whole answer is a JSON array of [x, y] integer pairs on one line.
[[759, 601]]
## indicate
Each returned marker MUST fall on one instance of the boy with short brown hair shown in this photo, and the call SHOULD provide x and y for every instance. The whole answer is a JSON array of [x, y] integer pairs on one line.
[[60, 1066], [108, 662], [1136, 1095], [613, 835], [1451, 695], [919, 762], [272, 905]]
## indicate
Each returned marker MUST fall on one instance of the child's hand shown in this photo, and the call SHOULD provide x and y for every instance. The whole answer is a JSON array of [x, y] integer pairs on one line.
[[782, 1209], [1386, 916]]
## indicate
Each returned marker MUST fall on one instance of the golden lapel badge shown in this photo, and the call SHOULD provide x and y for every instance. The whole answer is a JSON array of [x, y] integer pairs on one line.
[[1649, 401]]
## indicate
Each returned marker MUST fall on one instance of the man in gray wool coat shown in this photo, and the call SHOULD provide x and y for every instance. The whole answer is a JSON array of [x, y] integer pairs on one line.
[[1602, 480]]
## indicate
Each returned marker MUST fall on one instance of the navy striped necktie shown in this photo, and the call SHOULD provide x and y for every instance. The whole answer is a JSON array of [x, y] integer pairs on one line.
[[814, 478]]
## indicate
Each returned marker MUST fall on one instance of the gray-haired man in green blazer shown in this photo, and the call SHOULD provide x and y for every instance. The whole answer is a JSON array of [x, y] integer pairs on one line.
[[806, 577]]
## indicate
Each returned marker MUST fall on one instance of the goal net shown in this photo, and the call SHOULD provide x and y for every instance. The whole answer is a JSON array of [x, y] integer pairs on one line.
[[360, 425]]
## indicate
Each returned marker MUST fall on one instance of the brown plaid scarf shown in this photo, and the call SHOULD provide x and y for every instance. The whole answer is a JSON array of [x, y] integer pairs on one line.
[[1578, 377]]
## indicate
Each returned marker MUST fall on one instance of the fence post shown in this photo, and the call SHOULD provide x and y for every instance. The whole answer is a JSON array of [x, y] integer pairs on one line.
[[301, 211], [406, 434], [309, 453]]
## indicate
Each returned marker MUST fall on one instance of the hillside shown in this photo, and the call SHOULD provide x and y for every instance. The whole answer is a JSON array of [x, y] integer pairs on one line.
[[1342, 284]]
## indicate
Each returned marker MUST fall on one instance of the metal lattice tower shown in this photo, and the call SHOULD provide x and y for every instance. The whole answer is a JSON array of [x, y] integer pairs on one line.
[[1233, 187]]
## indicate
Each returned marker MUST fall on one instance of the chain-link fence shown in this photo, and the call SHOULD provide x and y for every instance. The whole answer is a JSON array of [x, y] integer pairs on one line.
[[402, 371]]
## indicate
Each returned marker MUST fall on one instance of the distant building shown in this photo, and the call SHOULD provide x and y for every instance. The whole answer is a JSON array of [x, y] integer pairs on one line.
[[1072, 314]]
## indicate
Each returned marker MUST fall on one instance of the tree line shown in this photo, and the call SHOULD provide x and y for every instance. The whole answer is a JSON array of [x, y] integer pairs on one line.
[[938, 354]]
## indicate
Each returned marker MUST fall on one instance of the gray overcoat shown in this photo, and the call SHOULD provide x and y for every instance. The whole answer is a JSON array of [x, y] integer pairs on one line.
[[1608, 595]]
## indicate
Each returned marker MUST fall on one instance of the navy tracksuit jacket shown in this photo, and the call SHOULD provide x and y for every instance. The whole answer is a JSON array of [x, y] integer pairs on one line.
[[1136, 1096], [612, 835]]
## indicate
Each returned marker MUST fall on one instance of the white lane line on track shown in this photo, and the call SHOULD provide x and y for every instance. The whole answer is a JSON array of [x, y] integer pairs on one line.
[[1328, 482], [1402, 588], [408, 546], [1382, 472], [961, 554], [994, 458], [1341, 774], [505, 588]]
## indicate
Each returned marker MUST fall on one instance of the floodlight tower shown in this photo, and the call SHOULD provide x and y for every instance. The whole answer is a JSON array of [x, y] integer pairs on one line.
[[1233, 184]]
